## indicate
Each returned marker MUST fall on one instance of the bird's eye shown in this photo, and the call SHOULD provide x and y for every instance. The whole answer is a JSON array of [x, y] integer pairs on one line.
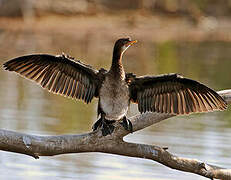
[[129, 39]]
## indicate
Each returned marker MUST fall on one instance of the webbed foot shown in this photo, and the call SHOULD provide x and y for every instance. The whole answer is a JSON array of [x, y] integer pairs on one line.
[[127, 124], [106, 126], [97, 124]]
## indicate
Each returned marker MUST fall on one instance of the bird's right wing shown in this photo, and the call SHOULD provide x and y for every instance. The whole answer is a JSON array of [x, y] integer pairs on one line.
[[59, 74]]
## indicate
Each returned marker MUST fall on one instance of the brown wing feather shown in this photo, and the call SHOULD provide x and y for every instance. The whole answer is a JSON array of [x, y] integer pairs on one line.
[[59, 74], [173, 94]]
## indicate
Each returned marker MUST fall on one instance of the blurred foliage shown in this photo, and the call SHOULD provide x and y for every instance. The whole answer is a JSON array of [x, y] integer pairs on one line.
[[191, 8]]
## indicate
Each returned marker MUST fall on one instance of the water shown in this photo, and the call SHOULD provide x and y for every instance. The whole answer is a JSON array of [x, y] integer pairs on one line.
[[25, 107]]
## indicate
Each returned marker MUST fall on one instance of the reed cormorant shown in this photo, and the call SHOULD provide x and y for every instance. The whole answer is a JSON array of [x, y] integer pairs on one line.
[[169, 93]]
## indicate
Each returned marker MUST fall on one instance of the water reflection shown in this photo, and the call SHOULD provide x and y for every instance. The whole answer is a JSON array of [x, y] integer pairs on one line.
[[25, 107]]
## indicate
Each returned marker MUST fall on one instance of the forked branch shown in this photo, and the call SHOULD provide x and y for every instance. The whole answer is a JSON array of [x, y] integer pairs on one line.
[[36, 146]]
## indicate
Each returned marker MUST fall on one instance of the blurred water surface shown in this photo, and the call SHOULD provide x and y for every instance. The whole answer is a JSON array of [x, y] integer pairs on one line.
[[25, 107]]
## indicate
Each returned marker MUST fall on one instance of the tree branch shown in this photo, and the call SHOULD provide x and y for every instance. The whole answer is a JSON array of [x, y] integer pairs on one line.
[[36, 146]]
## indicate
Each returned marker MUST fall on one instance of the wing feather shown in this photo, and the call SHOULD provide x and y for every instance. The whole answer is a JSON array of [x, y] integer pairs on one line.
[[59, 74], [173, 94]]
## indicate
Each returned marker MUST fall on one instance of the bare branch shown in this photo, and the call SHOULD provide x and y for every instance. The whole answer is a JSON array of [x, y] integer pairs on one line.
[[36, 146]]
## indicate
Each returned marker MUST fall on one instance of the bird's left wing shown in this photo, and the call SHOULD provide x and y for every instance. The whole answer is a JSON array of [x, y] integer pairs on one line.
[[59, 74], [173, 94]]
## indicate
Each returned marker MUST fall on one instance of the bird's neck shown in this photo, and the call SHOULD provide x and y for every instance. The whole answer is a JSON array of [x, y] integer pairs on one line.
[[117, 69]]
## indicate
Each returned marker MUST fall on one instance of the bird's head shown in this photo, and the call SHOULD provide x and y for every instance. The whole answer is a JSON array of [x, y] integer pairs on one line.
[[121, 45]]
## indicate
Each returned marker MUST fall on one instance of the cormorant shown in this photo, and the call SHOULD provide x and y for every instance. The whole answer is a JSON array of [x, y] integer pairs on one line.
[[169, 93]]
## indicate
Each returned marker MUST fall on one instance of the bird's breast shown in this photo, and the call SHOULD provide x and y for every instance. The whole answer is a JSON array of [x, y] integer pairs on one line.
[[114, 98]]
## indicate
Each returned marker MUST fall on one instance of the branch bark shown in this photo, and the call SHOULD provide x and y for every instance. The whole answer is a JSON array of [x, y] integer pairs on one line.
[[36, 146]]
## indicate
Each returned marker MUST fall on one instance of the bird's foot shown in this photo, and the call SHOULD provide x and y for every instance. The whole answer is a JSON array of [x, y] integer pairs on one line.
[[106, 126], [127, 124], [97, 124]]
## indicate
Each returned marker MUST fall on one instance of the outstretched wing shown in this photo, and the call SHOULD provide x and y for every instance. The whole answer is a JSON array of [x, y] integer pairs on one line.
[[59, 74], [173, 94]]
